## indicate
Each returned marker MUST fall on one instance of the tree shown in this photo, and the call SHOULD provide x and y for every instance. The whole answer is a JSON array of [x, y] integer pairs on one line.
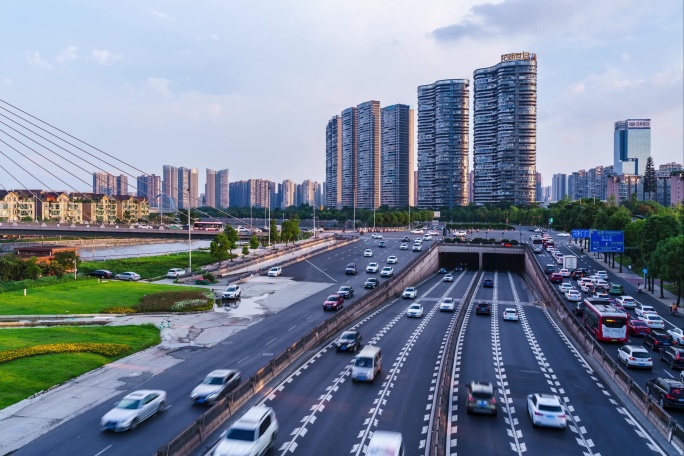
[[668, 260], [233, 237], [655, 229], [253, 242], [273, 230], [650, 181], [245, 251], [290, 231], [68, 260], [219, 246]]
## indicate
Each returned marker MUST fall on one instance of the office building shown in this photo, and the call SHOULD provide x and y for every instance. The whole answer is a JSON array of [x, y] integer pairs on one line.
[[505, 130], [632, 146], [539, 185], [287, 194], [169, 188], [216, 189], [559, 187], [622, 187], [188, 188], [368, 155], [443, 138], [149, 186], [256, 193], [349, 156], [110, 185], [396, 152], [333, 163]]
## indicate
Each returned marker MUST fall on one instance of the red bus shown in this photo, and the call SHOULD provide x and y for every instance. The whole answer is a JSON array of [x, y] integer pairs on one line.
[[604, 321], [207, 226]]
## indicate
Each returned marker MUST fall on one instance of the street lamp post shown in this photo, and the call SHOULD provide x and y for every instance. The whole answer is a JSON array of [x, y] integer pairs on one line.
[[189, 237], [314, 219]]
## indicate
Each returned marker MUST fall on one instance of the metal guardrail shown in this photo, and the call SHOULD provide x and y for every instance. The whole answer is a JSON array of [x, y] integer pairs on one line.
[[195, 434]]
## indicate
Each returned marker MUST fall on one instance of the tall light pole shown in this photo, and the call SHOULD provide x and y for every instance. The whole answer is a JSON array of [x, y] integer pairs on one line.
[[314, 217], [189, 236]]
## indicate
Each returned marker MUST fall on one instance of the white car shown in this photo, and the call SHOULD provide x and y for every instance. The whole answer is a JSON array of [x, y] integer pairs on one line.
[[392, 259], [133, 409], [231, 292], [128, 276], [652, 320], [175, 273], [368, 253], [559, 259], [449, 278], [410, 293], [376, 236], [510, 314], [627, 302], [254, 434], [634, 356], [565, 286], [447, 305], [372, 267], [563, 234], [460, 233], [642, 309], [677, 334], [275, 271], [387, 271], [215, 385], [403, 246], [418, 231], [602, 275], [573, 296], [546, 410], [417, 247], [565, 273], [414, 311]]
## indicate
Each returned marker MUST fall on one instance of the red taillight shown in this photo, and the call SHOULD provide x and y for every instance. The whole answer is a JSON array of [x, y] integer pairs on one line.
[[631, 358], [538, 414], [669, 398]]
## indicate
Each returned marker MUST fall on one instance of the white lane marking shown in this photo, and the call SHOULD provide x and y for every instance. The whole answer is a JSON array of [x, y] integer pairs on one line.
[[321, 270], [292, 328], [272, 340], [98, 454], [243, 359]]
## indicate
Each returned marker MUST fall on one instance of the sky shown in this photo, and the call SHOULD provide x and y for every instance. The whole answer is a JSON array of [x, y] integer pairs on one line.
[[250, 86]]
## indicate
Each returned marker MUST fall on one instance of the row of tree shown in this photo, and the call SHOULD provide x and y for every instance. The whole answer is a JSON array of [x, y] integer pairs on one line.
[[14, 268]]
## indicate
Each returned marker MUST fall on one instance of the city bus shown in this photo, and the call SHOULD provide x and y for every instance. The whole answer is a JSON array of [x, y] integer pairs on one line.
[[604, 321], [207, 226]]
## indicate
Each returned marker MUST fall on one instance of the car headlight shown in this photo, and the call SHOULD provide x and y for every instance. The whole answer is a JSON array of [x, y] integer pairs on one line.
[[213, 395]]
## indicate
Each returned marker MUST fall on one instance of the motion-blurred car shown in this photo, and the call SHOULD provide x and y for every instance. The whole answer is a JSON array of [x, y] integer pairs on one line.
[[253, 434], [215, 385], [409, 293], [333, 302], [447, 305], [348, 341], [387, 271], [480, 397], [392, 259], [403, 246], [448, 278], [414, 311], [275, 271], [101, 274], [371, 283], [346, 291], [128, 276], [133, 409]]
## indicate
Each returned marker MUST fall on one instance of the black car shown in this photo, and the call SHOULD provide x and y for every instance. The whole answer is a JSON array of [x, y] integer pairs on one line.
[[488, 283], [667, 391], [405, 239], [371, 283], [348, 341], [351, 269], [674, 356], [459, 268], [346, 291], [482, 308], [101, 274], [658, 339], [578, 308], [577, 274], [382, 244], [442, 270]]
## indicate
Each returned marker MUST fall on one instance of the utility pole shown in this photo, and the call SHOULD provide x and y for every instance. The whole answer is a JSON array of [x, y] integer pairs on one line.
[[189, 236]]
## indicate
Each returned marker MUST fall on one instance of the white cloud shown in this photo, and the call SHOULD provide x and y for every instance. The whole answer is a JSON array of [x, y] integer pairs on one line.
[[34, 58], [159, 85], [104, 57], [160, 15], [7, 81], [67, 55], [624, 57]]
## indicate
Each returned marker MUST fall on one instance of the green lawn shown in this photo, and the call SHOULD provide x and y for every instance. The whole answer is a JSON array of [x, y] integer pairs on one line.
[[24, 377], [82, 296], [149, 267]]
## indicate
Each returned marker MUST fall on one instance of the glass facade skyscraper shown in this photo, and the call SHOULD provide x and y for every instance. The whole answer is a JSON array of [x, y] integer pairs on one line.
[[443, 123], [632, 146], [505, 130], [368, 150], [333, 163], [396, 173]]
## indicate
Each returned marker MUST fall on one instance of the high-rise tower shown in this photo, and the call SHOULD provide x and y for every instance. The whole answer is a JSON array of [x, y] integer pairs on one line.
[[333, 163], [349, 156], [396, 151], [505, 130], [632, 146], [368, 153]]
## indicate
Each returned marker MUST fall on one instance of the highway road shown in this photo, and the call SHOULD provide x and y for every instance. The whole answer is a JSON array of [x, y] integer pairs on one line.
[[320, 411]]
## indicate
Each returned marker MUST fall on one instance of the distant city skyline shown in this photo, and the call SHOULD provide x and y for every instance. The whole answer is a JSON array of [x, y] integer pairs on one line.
[[183, 91]]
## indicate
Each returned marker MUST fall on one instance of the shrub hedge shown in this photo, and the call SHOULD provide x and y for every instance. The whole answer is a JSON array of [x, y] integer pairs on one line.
[[101, 349]]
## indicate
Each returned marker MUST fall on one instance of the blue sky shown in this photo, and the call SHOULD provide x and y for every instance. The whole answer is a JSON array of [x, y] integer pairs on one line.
[[249, 86]]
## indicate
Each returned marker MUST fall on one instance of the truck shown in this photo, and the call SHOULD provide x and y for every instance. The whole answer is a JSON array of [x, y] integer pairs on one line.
[[570, 262]]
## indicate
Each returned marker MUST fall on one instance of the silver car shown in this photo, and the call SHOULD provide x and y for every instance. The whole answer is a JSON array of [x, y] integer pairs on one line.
[[215, 385], [133, 409]]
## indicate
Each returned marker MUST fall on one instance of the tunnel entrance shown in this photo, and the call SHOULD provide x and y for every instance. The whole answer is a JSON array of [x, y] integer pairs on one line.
[[512, 262], [450, 260]]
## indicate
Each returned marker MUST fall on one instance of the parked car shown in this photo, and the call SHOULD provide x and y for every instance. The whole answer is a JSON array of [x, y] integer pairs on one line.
[[410, 293], [175, 273], [346, 291], [348, 341], [253, 434], [372, 267], [673, 356], [637, 327], [415, 310], [483, 308], [546, 410], [448, 278], [371, 283], [275, 271], [101, 274], [627, 302], [133, 409], [333, 302], [128, 276], [447, 305], [216, 384], [510, 314], [387, 271], [657, 339], [351, 269], [677, 334], [392, 259], [231, 292], [487, 283], [555, 277], [634, 356], [480, 397], [667, 391]]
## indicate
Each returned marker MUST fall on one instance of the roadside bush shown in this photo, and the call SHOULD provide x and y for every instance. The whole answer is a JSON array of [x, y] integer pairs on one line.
[[100, 349], [117, 310], [209, 276], [177, 301]]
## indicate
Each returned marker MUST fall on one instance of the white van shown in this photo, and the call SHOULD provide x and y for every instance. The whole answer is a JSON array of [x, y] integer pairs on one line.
[[385, 443], [367, 364]]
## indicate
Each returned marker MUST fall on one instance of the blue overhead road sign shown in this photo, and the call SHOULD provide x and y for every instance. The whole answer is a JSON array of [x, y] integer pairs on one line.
[[606, 241], [580, 234]]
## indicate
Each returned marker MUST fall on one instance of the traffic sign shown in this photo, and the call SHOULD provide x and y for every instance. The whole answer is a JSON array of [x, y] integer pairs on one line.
[[644, 271], [606, 241], [580, 234]]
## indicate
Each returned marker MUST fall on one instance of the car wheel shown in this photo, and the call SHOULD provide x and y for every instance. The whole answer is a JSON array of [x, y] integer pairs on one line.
[[672, 364], [134, 424], [661, 402], [162, 406]]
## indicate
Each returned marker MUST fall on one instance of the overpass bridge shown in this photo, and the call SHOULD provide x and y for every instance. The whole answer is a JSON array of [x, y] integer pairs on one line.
[[112, 231]]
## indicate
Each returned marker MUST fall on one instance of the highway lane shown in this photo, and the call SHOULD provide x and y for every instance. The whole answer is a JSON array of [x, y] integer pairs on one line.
[[245, 350], [533, 356]]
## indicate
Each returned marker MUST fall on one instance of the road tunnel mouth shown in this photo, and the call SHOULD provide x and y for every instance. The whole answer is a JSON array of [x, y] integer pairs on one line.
[[509, 262]]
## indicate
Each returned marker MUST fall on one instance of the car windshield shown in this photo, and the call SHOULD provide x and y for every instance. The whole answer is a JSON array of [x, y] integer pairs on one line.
[[638, 323], [230, 289], [550, 408], [415, 307], [344, 289], [246, 435], [481, 395], [347, 336], [128, 404], [661, 337], [213, 380], [332, 298], [640, 354], [363, 362]]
